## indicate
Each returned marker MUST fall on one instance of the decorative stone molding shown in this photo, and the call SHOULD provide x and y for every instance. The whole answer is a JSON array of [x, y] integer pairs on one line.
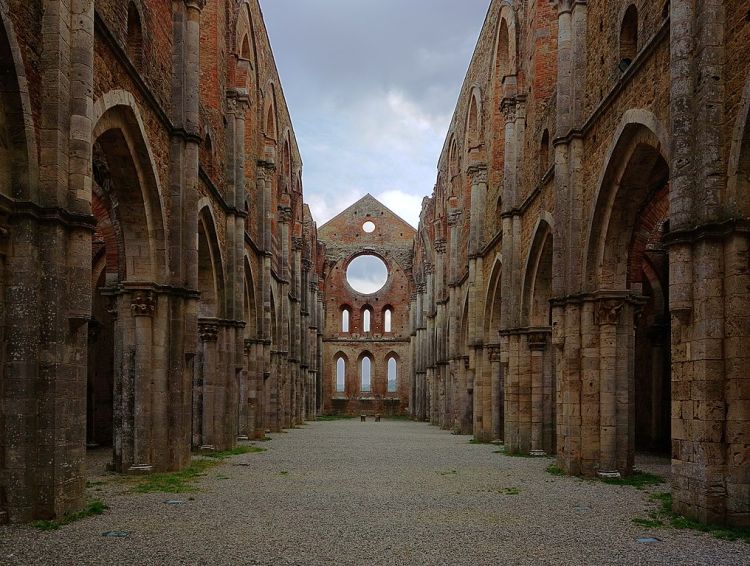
[[508, 108], [440, 246], [238, 101], [208, 331], [494, 353], [143, 303], [478, 174], [196, 4], [285, 214], [608, 312]]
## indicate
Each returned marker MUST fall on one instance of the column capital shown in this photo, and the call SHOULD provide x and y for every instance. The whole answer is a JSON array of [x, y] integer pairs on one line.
[[538, 341], [478, 173], [494, 353], [508, 108], [298, 243], [608, 311], [238, 101], [143, 303], [285, 214], [454, 217], [208, 331], [195, 5]]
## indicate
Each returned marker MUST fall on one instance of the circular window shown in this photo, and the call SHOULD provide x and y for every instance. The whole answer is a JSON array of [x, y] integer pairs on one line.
[[367, 274], [368, 227]]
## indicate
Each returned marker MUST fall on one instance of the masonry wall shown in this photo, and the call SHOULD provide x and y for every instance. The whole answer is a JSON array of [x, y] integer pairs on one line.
[[152, 214], [344, 240], [587, 305]]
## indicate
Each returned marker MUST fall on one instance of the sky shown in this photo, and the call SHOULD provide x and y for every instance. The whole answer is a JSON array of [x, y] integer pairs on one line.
[[371, 86]]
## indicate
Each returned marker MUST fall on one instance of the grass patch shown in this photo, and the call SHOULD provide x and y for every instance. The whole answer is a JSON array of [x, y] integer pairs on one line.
[[234, 452], [175, 482], [637, 479], [284, 473], [665, 516], [93, 508], [555, 470], [510, 491], [334, 418]]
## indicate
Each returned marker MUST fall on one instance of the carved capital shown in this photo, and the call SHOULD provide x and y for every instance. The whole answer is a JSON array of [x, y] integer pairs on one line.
[[429, 268], [478, 174], [285, 214], [208, 331], [249, 345], [440, 246], [454, 217], [195, 4], [238, 101], [143, 303], [608, 312], [495, 353], [508, 108], [298, 244], [307, 265]]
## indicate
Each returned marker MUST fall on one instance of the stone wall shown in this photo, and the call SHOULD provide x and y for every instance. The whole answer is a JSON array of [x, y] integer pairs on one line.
[[597, 308], [152, 219]]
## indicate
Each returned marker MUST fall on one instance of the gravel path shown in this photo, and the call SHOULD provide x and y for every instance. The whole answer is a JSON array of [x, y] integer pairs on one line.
[[394, 492]]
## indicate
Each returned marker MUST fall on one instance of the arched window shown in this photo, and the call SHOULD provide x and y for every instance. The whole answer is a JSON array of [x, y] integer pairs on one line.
[[340, 375], [245, 49], [388, 320], [366, 320], [628, 37], [135, 35], [392, 375], [345, 320], [544, 153], [502, 62], [366, 375]]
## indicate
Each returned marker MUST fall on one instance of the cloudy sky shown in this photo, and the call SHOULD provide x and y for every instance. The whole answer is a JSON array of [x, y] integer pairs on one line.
[[371, 86]]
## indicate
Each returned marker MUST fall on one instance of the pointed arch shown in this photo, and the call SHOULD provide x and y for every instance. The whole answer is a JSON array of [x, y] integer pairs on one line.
[[18, 154], [474, 123], [640, 139], [493, 302], [537, 281], [251, 310], [505, 56], [738, 175], [135, 34], [124, 168], [210, 265]]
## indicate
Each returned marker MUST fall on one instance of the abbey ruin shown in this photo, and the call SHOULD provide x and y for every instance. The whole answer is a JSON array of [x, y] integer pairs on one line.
[[578, 286]]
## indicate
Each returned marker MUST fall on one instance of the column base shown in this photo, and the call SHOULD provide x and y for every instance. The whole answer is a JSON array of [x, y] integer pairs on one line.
[[537, 453], [140, 469], [608, 475]]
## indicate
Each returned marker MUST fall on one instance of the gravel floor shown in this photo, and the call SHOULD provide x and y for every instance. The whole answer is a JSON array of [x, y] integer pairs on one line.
[[394, 492]]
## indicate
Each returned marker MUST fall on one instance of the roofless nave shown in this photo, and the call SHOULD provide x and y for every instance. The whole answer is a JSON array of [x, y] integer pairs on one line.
[[578, 285]]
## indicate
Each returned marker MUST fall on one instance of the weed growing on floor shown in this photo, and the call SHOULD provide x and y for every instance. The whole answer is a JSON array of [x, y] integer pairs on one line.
[[93, 508], [175, 482], [510, 491], [448, 473], [477, 441], [637, 479], [284, 473], [555, 470], [665, 516], [234, 452]]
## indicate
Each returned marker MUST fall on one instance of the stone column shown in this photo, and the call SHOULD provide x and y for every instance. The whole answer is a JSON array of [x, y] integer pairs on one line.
[[497, 388]]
